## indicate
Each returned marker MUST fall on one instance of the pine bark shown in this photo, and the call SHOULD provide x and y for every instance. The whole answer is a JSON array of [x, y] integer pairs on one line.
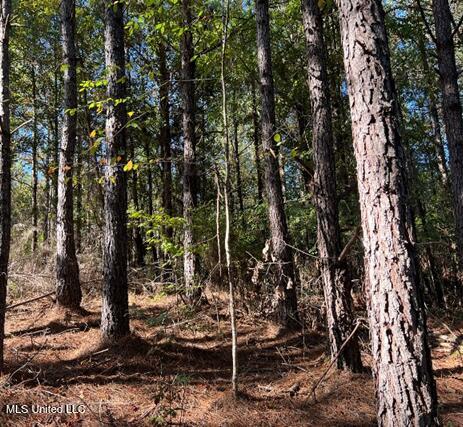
[[5, 164], [405, 387], [285, 300], [115, 310], [68, 291], [452, 114], [190, 260], [336, 280]]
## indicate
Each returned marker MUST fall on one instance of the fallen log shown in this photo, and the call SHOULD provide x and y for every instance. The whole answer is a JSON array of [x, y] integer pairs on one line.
[[9, 307]]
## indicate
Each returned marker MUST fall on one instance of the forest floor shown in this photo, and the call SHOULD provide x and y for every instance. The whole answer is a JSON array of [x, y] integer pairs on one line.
[[176, 369]]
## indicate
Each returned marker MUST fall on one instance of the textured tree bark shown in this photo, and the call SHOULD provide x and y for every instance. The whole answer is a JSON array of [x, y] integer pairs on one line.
[[115, 310], [35, 141], [285, 300], [68, 292], [402, 368], [336, 281], [5, 164], [165, 134], [452, 115], [190, 259]]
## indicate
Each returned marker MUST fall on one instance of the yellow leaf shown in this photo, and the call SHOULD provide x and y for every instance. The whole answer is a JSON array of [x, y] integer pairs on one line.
[[93, 134], [131, 113], [129, 166]]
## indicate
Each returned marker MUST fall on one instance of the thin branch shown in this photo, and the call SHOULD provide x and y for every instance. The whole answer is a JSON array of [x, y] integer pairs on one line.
[[425, 21]]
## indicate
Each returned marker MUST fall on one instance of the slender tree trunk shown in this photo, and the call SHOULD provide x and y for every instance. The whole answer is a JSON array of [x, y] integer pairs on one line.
[[149, 179], [336, 281], [68, 292], [405, 388], [226, 139], [79, 188], [190, 264], [137, 236], [165, 135], [46, 210], [255, 137], [55, 135], [433, 112], [35, 141], [236, 152], [452, 114], [5, 164], [285, 300], [115, 307]]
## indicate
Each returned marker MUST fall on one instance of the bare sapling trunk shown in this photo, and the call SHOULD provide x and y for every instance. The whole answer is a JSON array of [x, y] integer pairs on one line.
[[5, 164], [35, 143], [285, 300], [68, 291], [336, 280], [115, 307], [226, 138], [405, 388]]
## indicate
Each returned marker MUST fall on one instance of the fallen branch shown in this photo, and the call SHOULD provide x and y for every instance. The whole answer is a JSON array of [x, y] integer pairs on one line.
[[9, 307], [349, 244], [312, 392]]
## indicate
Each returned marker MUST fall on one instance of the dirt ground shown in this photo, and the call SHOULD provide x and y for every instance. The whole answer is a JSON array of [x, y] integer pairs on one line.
[[175, 370]]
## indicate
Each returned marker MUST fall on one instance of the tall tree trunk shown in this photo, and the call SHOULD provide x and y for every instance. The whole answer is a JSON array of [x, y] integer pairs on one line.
[[35, 141], [190, 260], [68, 292], [46, 190], [336, 280], [165, 134], [115, 307], [402, 367], [5, 164], [452, 114], [149, 195], [79, 189], [433, 112], [55, 134], [285, 300], [255, 138]]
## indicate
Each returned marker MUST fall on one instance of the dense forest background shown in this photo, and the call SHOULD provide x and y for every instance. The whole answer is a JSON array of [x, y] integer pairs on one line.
[[271, 190]]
